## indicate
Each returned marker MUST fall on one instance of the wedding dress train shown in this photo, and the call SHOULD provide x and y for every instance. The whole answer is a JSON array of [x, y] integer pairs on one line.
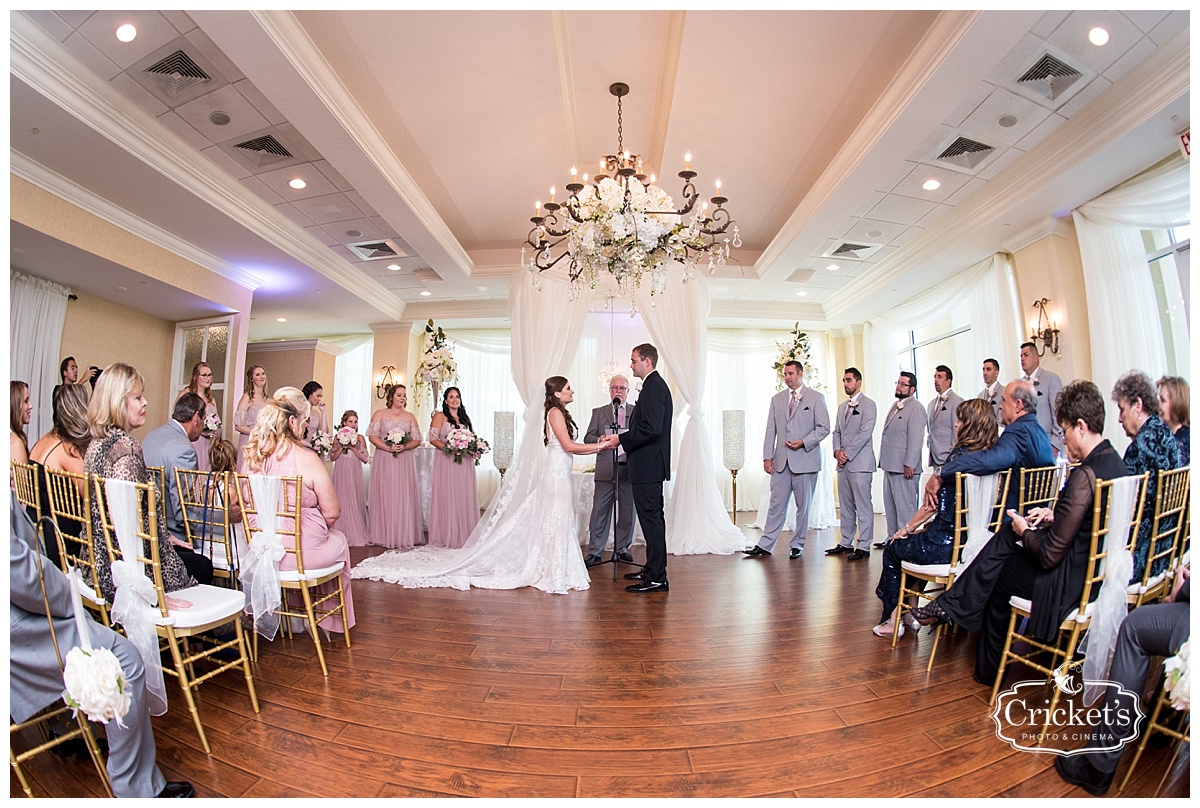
[[533, 542]]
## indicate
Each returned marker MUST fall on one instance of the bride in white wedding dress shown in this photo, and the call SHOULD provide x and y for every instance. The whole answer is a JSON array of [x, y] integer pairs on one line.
[[531, 542]]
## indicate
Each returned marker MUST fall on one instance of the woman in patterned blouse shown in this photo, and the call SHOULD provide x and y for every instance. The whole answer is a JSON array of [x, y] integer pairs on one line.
[[1175, 402], [1152, 448]]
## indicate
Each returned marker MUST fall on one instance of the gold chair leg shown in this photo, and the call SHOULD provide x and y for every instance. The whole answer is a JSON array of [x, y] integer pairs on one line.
[[312, 626], [345, 617], [898, 620], [16, 767], [185, 684], [1067, 655], [937, 635], [89, 738], [241, 637], [1012, 624]]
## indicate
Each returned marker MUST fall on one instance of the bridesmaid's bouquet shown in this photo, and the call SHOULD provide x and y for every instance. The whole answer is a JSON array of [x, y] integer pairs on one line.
[[461, 442], [397, 437], [323, 444], [212, 424], [347, 436]]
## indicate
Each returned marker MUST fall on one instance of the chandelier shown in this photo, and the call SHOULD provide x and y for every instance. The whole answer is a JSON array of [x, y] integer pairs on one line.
[[623, 225]]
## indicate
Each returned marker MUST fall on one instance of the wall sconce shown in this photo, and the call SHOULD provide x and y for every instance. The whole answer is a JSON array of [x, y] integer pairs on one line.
[[382, 387], [1045, 333]]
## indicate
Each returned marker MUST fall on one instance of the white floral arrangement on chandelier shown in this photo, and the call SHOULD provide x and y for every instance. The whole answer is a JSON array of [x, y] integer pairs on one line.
[[798, 350], [437, 364], [642, 239]]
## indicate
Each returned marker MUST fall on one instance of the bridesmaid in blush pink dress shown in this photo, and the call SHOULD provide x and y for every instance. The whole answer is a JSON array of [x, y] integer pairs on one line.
[[454, 503], [348, 462], [201, 385], [394, 507], [249, 404]]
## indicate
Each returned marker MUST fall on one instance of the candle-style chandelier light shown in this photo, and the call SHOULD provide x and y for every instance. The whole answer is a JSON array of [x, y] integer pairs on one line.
[[622, 224]]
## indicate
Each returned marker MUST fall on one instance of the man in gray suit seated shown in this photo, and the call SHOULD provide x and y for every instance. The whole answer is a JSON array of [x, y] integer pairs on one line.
[[1047, 385], [852, 433], [796, 424], [900, 454], [36, 681], [170, 446], [602, 501], [942, 416], [992, 389]]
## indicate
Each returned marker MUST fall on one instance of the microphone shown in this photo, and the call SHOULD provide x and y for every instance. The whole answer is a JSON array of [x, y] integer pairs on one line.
[[616, 403]]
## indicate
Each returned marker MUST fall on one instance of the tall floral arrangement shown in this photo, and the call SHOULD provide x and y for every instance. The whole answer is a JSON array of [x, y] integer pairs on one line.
[[797, 349], [437, 366]]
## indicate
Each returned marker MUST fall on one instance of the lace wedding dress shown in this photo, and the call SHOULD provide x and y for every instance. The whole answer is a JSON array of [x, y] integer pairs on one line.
[[533, 542]]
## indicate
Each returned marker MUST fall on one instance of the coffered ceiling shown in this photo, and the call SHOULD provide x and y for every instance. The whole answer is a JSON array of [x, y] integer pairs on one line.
[[424, 137]]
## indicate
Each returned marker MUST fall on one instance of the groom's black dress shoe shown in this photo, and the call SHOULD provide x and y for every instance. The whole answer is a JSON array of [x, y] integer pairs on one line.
[[879, 545], [625, 558], [649, 586], [592, 560], [635, 576], [177, 789], [1079, 771], [838, 550], [756, 551], [858, 555]]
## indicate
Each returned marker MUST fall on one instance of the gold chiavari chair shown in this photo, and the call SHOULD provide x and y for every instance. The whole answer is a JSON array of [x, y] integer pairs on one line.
[[70, 497], [1037, 488], [204, 498], [1170, 507], [941, 576], [1182, 734], [211, 607], [25, 482], [316, 605]]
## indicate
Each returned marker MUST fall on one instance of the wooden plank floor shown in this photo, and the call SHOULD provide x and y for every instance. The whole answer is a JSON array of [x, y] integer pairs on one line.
[[749, 678]]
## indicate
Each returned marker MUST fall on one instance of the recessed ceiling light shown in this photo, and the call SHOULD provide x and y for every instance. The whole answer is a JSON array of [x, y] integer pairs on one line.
[[281, 319], [931, 185], [833, 267], [426, 293], [802, 293], [1098, 36], [298, 183], [393, 267], [126, 33]]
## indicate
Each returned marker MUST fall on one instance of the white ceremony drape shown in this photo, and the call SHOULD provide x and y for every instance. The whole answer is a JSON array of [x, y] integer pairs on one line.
[[37, 311], [989, 290], [352, 386], [697, 521], [1123, 319]]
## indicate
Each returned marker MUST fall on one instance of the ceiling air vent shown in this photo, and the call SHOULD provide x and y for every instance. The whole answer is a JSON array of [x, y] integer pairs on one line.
[[1050, 77], [264, 150], [852, 251], [177, 74], [965, 153], [377, 250]]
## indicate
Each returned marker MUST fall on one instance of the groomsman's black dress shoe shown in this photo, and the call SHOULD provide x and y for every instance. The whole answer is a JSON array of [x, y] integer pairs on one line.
[[1079, 771], [858, 555], [756, 551], [625, 558], [178, 789], [879, 545], [838, 550], [796, 553], [592, 560], [640, 575], [648, 586]]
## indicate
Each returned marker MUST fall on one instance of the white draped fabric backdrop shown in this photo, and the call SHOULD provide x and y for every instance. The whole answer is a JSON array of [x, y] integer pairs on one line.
[[37, 311]]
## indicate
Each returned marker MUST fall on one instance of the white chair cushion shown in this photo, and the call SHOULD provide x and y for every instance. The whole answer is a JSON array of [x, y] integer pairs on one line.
[[209, 604], [85, 589], [220, 560], [932, 570], [310, 574], [1025, 605], [1138, 589]]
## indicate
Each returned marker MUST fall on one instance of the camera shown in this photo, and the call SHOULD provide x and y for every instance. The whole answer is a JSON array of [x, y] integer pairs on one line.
[[95, 375]]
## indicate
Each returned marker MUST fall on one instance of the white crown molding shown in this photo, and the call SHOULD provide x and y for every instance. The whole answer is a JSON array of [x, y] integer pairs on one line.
[[37, 174], [298, 48], [945, 33], [293, 345], [810, 315], [45, 65], [439, 311], [1159, 80], [400, 327], [1050, 226]]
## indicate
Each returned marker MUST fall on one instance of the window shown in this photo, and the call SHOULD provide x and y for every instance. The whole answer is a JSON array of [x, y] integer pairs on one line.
[[945, 341], [202, 341], [1168, 254]]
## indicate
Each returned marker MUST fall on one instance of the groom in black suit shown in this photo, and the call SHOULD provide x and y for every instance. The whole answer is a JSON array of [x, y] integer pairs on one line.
[[648, 446]]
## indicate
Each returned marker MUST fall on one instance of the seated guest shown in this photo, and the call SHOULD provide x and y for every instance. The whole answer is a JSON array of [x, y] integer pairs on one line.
[[275, 448], [118, 405], [62, 449], [976, 431], [1152, 448], [19, 413], [1157, 629], [1024, 444], [222, 458], [1175, 405], [36, 682], [1042, 555], [171, 446]]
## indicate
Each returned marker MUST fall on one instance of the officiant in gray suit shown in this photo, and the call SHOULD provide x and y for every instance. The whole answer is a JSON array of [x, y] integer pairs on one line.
[[618, 412], [797, 423], [900, 454]]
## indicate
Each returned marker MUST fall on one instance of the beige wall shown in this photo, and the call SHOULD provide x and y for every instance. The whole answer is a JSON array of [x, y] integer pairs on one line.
[[294, 364], [99, 333], [847, 352], [1051, 267]]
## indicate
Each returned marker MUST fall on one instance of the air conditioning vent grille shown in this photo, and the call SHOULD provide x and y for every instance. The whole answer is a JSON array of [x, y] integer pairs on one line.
[[1049, 77], [378, 250], [177, 74], [850, 250], [965, 153], [263, 150]]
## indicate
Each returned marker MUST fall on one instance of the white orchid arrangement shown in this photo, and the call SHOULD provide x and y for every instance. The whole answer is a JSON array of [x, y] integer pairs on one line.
[[799, 349], [437, 365]]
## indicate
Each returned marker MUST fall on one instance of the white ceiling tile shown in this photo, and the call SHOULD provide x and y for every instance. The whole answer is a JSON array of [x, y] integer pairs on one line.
[[99, 64], [51, 23], [872, 231], [367, 230], [1132, 58], [75, 18], [888, 182], [984, 121], [1166, 30], [950, 181], [180, 20], [937, 137], [153, 31], [1000, 164], [901, 209], [1043, 130], [971, 186], [1048, 23], [871, 200], [138, 93], [1145, 20], [977, 96], [220, 61], [1085, 96], [218, 156], [1072, 37], [331, 174], [243, 117], [935, 214], [259, 101], [261, 190], [908, 235], [1016, 60], [296, 216], [278, 180], [329, 208], [320, 235], [184, 129]]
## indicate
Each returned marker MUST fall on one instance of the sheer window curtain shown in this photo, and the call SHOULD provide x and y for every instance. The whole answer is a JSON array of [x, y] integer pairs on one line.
[[37, 311], [352, 386], [1124, 325]]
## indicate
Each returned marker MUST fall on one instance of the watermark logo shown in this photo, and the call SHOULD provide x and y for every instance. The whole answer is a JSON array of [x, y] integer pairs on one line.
[[1026, 721]]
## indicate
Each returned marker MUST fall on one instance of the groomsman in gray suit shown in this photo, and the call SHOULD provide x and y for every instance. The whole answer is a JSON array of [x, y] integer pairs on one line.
[[796, 424], [855, 456], [900, 454], [992, 390], [1047, 386], [602, 501], [942, 416]]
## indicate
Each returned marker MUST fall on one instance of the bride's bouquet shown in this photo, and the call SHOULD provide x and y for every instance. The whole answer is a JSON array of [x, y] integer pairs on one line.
[[346, 436], [212, 424], [461, 442], [397, 437], [323, 444]]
